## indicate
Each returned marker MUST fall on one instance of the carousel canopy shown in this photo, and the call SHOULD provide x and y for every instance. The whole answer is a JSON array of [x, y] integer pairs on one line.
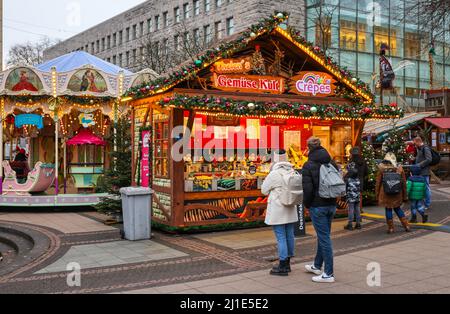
[[86, 137], [80, 59]]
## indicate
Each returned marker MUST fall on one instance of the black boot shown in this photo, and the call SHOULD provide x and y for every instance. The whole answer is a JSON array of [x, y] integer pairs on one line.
[[424, 218], [349, 226], [280, 270], [413, 219], [288, 265], [358, 226]]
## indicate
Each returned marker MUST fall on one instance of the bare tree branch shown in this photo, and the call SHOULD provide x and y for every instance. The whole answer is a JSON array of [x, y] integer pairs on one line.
[[29, 53]]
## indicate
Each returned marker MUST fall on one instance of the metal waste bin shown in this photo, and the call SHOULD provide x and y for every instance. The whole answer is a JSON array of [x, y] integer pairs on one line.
[[136, 204]]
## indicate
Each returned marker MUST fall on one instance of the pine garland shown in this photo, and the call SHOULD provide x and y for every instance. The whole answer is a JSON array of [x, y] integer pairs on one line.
[[248, 108]]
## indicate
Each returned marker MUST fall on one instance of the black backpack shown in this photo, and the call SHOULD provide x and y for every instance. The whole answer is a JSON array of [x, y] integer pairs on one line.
[[435, 157], [392, 182]]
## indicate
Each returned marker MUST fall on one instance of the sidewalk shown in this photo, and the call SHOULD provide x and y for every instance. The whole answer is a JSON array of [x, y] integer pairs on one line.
[[420, 265]]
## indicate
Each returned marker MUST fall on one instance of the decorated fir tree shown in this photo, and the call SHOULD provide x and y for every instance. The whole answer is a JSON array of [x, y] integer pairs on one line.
[[119, 173], [396, 143], [369, 156]]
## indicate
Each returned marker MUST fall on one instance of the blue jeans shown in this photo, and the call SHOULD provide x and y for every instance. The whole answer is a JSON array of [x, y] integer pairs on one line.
[[398, 211], [286, 240], [417, 206], [322, 218], [428, 193], [354, 211]]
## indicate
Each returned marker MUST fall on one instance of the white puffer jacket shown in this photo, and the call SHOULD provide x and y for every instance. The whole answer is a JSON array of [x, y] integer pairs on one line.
[[277, 213]]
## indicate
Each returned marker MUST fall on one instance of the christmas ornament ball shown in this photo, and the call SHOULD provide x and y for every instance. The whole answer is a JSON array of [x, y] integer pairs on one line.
[[251, 106]]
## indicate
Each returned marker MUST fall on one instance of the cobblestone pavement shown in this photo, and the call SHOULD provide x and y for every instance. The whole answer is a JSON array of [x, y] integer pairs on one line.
[[225, 262]]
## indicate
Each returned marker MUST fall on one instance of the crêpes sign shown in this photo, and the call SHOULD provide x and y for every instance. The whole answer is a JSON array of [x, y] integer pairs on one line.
[[313, 84]]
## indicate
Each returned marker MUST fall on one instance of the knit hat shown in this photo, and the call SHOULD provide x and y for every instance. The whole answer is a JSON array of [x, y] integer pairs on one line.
[[355, 151], [280, 155], [391, 157]]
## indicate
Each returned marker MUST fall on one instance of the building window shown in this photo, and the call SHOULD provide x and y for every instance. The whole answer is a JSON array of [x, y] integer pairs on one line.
[[134, 32], [98, 46], [347, 35], [186, 39], [186, 11], [141, 53], [218, 3], [120, 59], [103, 44], [207, 5], [108, 60], [120, 37], [114, 60], [196, 37], [157, 25], [196, 7], [127, 59], [156, 48], [165, 19], [134, 56], [207, 34], [323, 32], [141, 29], [149, 26], [176, 14], [176, 42], [108, 42], [86, 48], [114, 43], [92, 48], [165, 46], [218, 30], [412, 45], [230, 26]]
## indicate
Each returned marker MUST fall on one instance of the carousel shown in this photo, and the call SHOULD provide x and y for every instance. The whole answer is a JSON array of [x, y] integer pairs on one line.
[[56, 119]]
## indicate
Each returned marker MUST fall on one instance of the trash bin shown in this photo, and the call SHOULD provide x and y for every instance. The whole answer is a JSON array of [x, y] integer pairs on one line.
[[136, 204]]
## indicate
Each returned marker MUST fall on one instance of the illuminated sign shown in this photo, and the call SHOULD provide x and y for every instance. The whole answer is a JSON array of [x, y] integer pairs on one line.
[[227, 66], [313, 84], [249, 83]]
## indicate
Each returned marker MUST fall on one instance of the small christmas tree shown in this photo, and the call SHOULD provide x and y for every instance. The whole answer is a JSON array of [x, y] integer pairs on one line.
[[396, 144], [119, 173]]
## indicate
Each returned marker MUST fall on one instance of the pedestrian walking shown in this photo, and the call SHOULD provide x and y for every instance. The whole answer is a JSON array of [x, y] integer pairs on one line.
[[283, 185], [424, 159], [353, 187], [390, 190], [322, 182], [416, 187]]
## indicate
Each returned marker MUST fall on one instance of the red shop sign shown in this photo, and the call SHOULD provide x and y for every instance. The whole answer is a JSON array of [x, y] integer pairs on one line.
[[249, 83]]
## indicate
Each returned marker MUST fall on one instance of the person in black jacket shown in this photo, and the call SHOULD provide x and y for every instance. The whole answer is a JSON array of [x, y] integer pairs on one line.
[[321, 210]]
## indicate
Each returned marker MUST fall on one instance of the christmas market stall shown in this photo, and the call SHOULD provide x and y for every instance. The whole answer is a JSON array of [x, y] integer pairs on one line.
[[204, 134], [46, 108]]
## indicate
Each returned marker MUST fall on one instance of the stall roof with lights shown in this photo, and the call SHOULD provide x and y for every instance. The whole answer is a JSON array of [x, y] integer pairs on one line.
[[80, 59]]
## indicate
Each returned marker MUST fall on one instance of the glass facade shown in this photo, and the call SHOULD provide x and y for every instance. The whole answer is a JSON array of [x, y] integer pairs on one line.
[[351, 31]]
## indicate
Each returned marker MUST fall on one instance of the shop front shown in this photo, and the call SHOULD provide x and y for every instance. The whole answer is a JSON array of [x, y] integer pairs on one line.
[[204, 136]]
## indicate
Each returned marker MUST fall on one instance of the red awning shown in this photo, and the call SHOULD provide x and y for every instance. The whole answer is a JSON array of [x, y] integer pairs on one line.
[[86, 137], [442, 123]]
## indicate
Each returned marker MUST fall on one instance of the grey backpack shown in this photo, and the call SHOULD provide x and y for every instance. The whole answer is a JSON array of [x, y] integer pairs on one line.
[[291, 189], [331, 183]]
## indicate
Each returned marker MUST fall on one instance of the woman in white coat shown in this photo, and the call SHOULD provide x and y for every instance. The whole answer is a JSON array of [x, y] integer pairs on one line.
[[281, 217]]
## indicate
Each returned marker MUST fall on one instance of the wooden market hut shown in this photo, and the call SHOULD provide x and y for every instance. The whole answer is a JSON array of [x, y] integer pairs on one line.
[[266, 78]]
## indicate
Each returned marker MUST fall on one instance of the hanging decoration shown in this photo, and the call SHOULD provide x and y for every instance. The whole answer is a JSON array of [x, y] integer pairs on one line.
[[292, 109]]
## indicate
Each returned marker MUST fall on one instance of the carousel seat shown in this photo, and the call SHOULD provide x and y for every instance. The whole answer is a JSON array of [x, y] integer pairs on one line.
[[38, 180], [21, 169]]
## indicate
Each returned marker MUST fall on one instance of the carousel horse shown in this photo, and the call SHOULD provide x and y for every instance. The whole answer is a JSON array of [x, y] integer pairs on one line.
[[39, 180]]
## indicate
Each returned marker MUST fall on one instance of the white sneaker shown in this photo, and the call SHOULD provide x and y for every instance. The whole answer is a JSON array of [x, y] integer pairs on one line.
[[312, 269], [324, 278]]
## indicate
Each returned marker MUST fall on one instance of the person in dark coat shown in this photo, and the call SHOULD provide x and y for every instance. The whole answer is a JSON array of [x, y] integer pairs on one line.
[[424, 158], [357, 162], [321, 210]]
